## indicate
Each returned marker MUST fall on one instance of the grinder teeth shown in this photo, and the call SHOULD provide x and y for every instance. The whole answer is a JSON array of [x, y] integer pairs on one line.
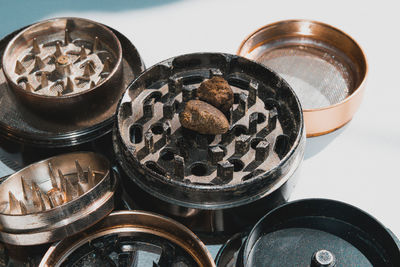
[[19, 68], [38, 65], [247, 149], [82, 53], [69, 87], [70, 191], [38, 198], [52, 176], [64, 188], [35, 47], [23, 208], [79, 171], [51, 68], [96, 44], [67, 38], [107, 66], [58, 51], [29, 87], [88, 70], [43, 80], [26, 189], [13, 203]]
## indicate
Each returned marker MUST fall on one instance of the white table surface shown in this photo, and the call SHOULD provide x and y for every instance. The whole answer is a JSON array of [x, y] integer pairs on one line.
[[358, 164]]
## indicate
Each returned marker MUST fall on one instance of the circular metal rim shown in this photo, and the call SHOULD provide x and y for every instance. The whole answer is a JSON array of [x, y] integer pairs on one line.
[[103, 158], [284, 160], [77, 136], [75, 95], [46, 237], [98, 210], [113, 223], [226, 204], [299, 141], [247, 247], [351, 99]]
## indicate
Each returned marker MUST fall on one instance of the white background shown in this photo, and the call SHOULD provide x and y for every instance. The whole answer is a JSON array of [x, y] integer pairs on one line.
[[358, 164]]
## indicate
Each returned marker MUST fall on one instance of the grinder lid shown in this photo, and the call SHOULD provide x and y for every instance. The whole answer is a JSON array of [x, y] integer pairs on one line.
[[314, 232], [74, 67], [131, 238], [325, 67]]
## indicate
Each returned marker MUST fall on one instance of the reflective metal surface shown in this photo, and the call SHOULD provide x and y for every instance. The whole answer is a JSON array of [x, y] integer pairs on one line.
[[281, 129], [211, 183], [63, 64], [55, 198], [326, 68], [78, 117]]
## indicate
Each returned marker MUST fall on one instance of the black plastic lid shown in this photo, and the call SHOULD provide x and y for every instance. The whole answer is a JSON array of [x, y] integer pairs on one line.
[[314, 232]]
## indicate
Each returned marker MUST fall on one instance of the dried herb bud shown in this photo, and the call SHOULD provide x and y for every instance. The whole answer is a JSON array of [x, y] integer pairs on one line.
[[217, 92], [203, 118]]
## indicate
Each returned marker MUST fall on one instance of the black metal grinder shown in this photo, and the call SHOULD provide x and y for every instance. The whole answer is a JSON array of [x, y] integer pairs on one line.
[[60, 83], [214, 184], [315, 233]]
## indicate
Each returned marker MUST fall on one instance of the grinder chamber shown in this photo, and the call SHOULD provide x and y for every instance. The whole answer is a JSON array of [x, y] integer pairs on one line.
[[209, 181], [60, 83]]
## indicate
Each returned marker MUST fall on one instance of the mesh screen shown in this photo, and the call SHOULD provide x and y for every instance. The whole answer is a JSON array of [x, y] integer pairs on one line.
[[319, 78]]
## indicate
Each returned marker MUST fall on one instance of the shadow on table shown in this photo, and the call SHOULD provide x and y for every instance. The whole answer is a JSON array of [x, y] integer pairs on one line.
[[315, 145], [16, 14]]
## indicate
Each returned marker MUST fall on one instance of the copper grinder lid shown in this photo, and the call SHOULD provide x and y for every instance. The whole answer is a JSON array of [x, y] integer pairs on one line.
[[131, 238], [325, 67]]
